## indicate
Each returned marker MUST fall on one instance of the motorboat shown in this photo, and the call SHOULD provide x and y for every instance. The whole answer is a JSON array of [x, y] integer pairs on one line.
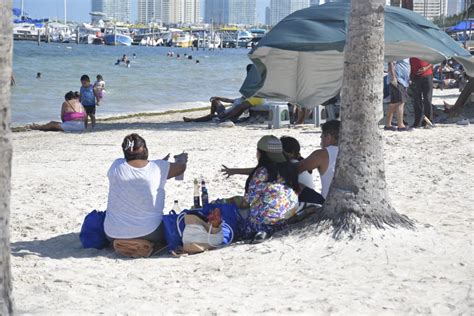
[[184, 40], [118, 36]]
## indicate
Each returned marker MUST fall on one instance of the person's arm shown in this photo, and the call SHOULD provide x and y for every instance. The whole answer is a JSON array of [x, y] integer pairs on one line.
[[226, 100], [233, 171], [423, 69], [313, 161], [63, 111], [178, 168], [393, 76]]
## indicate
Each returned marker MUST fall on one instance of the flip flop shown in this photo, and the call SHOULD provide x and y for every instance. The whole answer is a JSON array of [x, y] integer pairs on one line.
[[390, 128], [405, 129]]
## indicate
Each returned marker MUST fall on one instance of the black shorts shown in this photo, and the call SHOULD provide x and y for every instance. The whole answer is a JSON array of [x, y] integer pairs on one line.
[[398, 94], [90, 109]]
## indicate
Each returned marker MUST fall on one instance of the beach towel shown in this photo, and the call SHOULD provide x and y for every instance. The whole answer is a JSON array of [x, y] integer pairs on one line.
[[92, 233]]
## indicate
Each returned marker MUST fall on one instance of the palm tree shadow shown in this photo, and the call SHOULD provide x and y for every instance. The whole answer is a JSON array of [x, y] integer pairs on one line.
[[66, 246]]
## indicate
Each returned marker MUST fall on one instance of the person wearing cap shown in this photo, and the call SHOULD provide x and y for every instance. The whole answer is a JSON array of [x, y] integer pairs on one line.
[[270, 190]]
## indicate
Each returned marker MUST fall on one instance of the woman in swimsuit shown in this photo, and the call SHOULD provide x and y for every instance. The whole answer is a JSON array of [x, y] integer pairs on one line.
[[72, 116]]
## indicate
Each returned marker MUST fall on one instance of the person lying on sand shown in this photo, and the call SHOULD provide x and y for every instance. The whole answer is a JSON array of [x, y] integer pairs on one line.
[[218, 109]]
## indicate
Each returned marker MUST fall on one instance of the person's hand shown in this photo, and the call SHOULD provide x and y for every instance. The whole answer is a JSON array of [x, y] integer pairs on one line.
[[227, 171], [421, 70], [181, 158], [166, 157], [394, 82]]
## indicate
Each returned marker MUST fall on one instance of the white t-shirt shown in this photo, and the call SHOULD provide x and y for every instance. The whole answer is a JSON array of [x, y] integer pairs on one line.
[[305, 178], [136, 198]]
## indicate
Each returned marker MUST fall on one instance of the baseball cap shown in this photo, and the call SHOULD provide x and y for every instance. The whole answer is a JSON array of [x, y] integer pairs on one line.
[[273, 147]]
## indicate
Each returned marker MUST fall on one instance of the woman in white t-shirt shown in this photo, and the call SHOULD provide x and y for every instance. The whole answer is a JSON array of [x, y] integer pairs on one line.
[[137, 193]]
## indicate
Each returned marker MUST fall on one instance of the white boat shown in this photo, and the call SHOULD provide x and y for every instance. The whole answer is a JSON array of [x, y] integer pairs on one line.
[[213, 41], [243, 38], [27, 30]]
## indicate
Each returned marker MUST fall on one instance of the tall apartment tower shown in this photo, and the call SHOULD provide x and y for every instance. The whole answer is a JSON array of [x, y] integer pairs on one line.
[[243, 12], [118, 10], [148, 11], [431, 9], [181, 11], [216, 11], [281, 8]]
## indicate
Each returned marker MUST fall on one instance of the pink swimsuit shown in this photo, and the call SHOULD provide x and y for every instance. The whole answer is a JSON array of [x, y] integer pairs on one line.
[[73, 116]]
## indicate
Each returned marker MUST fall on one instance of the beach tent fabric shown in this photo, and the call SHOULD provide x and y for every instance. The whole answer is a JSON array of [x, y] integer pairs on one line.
[[463, 26], [301, 59]]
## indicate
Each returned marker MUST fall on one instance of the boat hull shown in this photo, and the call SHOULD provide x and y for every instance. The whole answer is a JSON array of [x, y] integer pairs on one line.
[[118, 40]]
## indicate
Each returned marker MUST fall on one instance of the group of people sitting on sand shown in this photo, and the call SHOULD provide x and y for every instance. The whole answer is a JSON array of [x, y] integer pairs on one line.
[[276, 188]]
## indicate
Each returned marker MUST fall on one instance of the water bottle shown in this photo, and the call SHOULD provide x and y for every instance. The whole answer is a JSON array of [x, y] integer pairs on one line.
[[176, 207], [204, 194], [196, 194]]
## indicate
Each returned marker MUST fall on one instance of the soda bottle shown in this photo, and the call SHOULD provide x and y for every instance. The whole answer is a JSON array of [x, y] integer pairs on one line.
[[176, 207], [196, 194], [204, 194]]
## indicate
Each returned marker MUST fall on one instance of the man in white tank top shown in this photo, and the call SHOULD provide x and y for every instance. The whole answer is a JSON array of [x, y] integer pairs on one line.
[[324, 159]]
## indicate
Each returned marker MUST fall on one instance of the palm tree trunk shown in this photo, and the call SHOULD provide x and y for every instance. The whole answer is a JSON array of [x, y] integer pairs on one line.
[[358, 196], [6, 44]]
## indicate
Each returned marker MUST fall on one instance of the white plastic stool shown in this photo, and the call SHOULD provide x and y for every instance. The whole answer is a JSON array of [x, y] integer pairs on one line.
[[278, 116], [317, 114]]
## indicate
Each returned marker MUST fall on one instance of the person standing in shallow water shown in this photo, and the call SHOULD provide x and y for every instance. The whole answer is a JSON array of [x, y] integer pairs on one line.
[[89, 99]]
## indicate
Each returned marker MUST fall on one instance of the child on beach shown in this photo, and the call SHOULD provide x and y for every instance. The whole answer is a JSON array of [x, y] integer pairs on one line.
[[88, 99], [99, 88]]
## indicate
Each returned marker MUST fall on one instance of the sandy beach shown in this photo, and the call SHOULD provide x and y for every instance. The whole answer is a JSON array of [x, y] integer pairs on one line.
[[58, 178]]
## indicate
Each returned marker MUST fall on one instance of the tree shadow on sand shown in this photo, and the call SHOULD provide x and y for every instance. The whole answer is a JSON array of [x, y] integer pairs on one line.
[[66, 246]]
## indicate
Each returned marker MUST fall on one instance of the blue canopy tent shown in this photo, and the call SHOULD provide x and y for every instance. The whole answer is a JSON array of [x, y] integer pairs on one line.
[[301, 59], [463, 26]]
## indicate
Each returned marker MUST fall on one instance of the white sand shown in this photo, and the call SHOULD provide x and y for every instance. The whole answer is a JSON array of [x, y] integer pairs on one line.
[[58, 178]]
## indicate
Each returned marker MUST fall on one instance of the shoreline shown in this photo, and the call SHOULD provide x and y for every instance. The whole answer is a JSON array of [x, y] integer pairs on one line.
[[23, 128]]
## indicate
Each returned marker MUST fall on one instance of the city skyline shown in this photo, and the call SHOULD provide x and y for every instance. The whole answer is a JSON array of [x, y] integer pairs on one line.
[[78, 10]]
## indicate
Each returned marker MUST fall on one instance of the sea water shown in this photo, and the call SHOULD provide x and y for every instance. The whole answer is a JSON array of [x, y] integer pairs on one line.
[[153, 83]]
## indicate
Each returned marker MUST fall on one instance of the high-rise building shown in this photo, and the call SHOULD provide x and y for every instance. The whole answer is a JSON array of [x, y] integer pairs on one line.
[[216, 11], [243, 12], [431, 9], [231, 11], [267, 16], [181, 11], [314, 2], [455, 7], [118, 10], [281, 8], [148, 11]]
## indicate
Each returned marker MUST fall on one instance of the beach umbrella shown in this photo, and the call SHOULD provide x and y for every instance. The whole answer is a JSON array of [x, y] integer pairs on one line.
[[301, 59]]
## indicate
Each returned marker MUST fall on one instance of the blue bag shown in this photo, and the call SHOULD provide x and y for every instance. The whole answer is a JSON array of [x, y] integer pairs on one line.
[[174, 224], [92, 233], [172, 234]]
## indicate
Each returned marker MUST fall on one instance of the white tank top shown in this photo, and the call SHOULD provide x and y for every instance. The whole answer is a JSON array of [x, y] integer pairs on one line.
[[326, 178]]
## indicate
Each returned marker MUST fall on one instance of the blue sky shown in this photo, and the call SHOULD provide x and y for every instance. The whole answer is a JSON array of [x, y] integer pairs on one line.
[[78, 10]]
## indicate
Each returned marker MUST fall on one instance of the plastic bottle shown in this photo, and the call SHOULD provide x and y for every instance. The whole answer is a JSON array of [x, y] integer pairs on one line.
[[196, 194], [204, 194], [176, 207]]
